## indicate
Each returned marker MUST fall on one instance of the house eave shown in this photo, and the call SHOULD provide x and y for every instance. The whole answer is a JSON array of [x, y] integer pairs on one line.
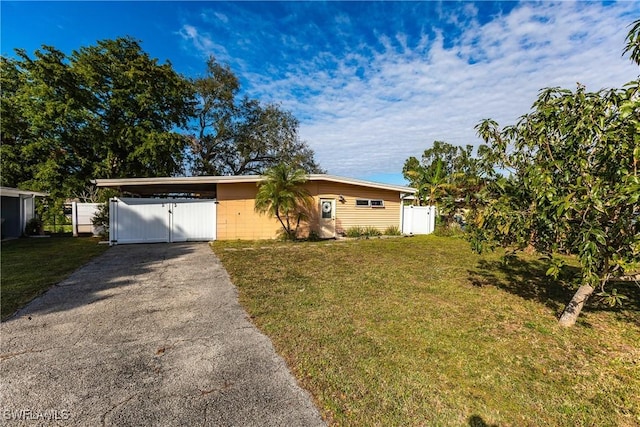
[[193, 183], [360, 182], [16, 192]]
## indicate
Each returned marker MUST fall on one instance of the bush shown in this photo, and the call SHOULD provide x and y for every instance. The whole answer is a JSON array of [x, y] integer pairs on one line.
[[33, 227], [100, 220], [449, 230], [392, 230], [359, 231], [371, 231], [313, 236], [355, 231]]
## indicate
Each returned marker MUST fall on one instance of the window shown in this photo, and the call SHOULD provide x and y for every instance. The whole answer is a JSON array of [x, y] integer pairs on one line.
[[369, 203], [327, 208]]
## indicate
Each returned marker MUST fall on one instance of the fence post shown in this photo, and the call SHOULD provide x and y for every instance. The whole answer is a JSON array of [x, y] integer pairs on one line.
[[74, 218], [432, 219]]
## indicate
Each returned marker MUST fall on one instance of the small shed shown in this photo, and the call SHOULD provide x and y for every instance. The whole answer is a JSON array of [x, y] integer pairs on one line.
[[17, 207]]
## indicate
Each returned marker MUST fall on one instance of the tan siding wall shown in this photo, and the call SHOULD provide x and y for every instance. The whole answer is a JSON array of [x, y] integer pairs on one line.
[[237, 218], [348, 215]]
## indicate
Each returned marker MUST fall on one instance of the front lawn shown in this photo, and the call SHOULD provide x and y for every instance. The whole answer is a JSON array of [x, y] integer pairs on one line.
[[421, 331], [31, 265]]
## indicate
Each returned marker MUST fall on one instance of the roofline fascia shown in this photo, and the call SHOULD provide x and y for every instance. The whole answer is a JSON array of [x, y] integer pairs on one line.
[[16, 192], [116, 182]]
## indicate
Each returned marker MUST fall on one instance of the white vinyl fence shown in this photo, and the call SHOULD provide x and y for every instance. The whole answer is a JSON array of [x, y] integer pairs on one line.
[[161, 220], [81, 214], [418, 219]]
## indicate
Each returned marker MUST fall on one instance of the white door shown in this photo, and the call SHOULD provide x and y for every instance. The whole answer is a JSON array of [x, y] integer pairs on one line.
[[327, 226], [161, 220]]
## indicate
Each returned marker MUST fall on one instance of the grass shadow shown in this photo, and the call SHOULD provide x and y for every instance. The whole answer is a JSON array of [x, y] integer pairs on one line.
[[478, 421], [630, 309], [528, 279]]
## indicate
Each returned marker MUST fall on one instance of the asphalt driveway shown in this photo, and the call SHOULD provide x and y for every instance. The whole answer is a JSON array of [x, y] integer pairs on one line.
[[145, 335]]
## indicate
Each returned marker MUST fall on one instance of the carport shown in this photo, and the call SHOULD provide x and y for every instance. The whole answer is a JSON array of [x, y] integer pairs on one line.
[[163, 210]]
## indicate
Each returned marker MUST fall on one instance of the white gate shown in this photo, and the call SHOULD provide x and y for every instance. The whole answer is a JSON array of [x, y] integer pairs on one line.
[[161, 220], [193, 220], [81, 216], [418, 219]]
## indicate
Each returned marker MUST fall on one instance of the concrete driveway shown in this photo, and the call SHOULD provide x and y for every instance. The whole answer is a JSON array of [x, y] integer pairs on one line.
[[145, 335]]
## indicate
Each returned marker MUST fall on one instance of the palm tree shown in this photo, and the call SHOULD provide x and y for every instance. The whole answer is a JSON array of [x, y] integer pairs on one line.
[[281, 194], [437, 183], [432, 182]]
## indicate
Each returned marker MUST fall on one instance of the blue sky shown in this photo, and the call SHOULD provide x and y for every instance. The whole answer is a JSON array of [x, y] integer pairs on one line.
[[372, 83]]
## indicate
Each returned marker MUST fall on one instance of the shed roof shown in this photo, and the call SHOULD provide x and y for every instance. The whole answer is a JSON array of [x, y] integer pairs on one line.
[[202, 184], [16, 192]]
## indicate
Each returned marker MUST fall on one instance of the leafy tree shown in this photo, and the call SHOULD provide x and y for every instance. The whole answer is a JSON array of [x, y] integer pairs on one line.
[[281, 194], [215, 115], [107, 110], [239, 136], [135, 106], [572, 184], [632, 46], [14, 127], [445, 175], [38, 119]]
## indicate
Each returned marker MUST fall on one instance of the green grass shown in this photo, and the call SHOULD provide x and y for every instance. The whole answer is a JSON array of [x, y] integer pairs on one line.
[[31, 265], [421, 331]]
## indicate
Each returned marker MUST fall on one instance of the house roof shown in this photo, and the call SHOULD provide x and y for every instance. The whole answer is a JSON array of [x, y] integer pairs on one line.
[[16, 192], [202, 184]]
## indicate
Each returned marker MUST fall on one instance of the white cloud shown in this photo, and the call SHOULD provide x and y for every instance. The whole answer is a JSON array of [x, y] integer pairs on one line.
[[222, 17], [203, 43], [343, 19], [368, 108], [367, 113]]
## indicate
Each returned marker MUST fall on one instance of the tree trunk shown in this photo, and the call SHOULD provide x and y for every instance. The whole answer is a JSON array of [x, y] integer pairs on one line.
[[572, 310]]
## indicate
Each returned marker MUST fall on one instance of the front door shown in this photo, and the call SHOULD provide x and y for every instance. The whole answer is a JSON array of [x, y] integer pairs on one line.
[[327, 218]]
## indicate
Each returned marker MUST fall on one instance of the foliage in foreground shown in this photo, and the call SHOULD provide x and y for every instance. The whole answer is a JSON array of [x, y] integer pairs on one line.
[[30, 266], [573, 184], [422, 331]]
